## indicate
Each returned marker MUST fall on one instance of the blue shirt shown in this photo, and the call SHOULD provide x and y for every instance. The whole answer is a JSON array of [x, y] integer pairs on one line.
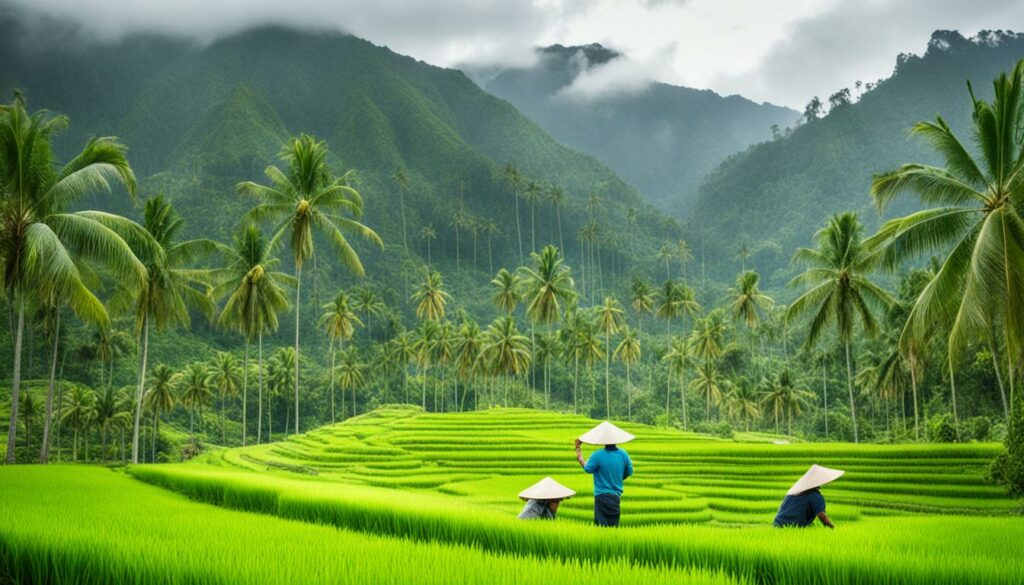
[[609, 466], [801, 509]]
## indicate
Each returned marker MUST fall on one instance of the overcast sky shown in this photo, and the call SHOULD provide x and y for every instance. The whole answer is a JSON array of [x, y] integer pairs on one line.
[[781, 51]]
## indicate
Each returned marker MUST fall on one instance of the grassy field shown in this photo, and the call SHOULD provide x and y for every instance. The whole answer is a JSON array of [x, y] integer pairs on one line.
[[400, 480]]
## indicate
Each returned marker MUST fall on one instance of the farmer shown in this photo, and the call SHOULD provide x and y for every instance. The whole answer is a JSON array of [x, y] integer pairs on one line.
[[804, 502], [609, 466], [542, 499]]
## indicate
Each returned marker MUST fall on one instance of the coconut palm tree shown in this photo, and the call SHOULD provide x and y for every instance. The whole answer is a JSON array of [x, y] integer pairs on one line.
[[160, 397], [431, 298], [684, 254], [514, 181], [424, 344], [468, 347], [741, 402], [27, 414], [840, 291], [549, 288], [545, 349], [350, 375], [195, 387], [255, 297], [610, 320], [279, 376], [367, 300], [172, 288], [677, 359], [340, 322], [572, 336], [666, 253], [305, 200], [979, 200], [556, 196], [42, 245], [507, 291], [428, 234], [795, 399], [403, 183], [403, 351], [642, 301], [742, 253], [677, 300], [490, 228], [709, 384], [506, 349], [79, 410], [111, 413], [226, 375], [749, 304], [532, 193], [444, 353], [628, 352]]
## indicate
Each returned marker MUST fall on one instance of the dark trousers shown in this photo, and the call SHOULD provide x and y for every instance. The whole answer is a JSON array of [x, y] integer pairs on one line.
[[606, 510]]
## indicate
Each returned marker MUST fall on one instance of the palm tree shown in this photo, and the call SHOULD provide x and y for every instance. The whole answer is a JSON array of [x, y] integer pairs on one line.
[[111, 412], [840, 290], [749, 304], [546, 288], [557, 198], [631, 222], [677, 358], [642, 301], [458, 221], [507, 287], [709, 384], [226, 374], [506, 349], [403, 183], [684, 254], [677, 300], [195, 387], [742, 253], [708, 336], [172, 286], [160, 397], [572, 334], [28, 413], [444, 353], [666, 253], [42, 246], [795, 400], [368, 301], [79, 410], [468, 347], [610, 320], [514, 180], [546, 348], [628, 352], [423, 346], [350, 375], [403, 351], [741, 402], [431, 298], [532, 194], [340, 322], [309, 199], [889, 376], [255, 292], [279, 373], [490, 228], [428, 234], [980, 286]]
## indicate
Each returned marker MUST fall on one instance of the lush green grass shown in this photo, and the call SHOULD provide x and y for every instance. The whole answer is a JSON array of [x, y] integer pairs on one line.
[[90, 525], [487, 457]]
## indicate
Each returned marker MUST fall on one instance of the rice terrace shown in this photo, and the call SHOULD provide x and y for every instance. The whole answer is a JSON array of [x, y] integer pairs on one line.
[[337, 291]]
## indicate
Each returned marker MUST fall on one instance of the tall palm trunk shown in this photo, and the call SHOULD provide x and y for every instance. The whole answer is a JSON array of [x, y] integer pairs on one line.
[[629, 403], [999, 378], [913, 388], [952, 390], [849, 384], [423, 394], [519, 232], [259, 390], [824, 388], [668, 370], [245, 388], [575, 384], [682, 395], [333, 389], [138, 389], [156, 430], [607, 378], [558, 217], [12, 426], [44, 449], [298, 301]]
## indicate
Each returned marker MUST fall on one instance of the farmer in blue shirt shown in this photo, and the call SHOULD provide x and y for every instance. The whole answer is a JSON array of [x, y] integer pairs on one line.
[[609, 466], [804, 502]]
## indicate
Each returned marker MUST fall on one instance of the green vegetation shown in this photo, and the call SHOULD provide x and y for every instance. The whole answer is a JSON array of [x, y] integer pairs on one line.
[[51, 515]]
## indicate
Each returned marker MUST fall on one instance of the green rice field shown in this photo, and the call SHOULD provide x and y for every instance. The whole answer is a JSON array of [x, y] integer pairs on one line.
[[433, 496]]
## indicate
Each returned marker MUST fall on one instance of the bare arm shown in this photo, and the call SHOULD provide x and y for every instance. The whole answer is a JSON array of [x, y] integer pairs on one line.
[[579, 454], [825, 520]]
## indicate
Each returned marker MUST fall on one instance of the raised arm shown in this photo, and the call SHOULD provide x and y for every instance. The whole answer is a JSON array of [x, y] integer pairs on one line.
[[579, 454]]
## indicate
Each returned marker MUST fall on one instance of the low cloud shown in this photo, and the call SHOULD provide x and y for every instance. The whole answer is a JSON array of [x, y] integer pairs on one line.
[[620, 76]]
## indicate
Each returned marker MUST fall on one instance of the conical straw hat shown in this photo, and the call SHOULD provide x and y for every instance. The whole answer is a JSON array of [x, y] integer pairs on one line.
[[606, 434], [816, 476], [546, 489]]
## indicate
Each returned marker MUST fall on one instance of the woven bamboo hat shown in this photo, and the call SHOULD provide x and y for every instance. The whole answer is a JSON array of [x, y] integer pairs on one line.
[[546, 489], [606, 434], [816, 476]]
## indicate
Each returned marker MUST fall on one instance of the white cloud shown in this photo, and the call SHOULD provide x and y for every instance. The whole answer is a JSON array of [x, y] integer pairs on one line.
[[784, 51]]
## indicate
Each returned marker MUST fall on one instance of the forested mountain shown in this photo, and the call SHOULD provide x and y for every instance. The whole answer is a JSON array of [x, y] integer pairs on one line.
[[199, 119], [774, 196], [663, 139]]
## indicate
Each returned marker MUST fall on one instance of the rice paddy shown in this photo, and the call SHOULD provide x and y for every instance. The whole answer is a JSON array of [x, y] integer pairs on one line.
[[413, 485]]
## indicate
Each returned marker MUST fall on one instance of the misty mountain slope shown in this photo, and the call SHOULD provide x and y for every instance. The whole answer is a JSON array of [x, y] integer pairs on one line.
[[210, 116], [664, 139], [777, 194]]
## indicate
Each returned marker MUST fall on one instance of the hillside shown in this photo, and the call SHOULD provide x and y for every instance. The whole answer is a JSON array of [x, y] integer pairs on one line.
[[663, 139], [198, 119], [775, 195]]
